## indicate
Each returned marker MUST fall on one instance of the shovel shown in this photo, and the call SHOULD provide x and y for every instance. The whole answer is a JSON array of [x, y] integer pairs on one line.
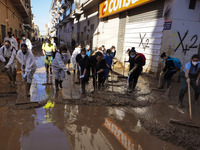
[[71, 98], [184, 123]]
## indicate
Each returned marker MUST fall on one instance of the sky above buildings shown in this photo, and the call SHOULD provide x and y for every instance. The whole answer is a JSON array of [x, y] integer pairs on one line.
[[40, 10]]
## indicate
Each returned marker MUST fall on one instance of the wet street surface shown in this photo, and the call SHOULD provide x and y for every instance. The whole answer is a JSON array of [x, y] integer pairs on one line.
[[109, 119]]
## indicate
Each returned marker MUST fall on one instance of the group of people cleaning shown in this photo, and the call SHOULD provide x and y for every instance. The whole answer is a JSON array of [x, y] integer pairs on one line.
[[83, 61], [100, 64]]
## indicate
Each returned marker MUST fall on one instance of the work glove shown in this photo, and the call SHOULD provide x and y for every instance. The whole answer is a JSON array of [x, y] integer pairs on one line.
[[82, 76], [129, 73], [68, 72], [24, 76], [79, 68], [161, 74], [45, 56], [51, 58]]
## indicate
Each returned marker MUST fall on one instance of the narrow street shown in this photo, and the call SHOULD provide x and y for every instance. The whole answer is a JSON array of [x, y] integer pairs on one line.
[[61, 124]]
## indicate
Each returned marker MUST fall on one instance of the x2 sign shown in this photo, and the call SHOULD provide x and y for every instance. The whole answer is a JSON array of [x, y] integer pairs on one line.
[[110, 7]]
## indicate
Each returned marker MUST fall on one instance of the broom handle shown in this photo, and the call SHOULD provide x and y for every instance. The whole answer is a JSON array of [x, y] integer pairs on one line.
[[189, 98]]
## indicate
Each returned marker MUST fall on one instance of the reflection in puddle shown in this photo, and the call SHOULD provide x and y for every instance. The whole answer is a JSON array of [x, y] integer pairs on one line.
[[122, 137]]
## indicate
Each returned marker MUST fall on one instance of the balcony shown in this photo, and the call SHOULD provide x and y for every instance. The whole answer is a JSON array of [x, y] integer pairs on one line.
[[65, 4], [21, 7], [76, 9], [88, 4], [61, 11], [68, 18]]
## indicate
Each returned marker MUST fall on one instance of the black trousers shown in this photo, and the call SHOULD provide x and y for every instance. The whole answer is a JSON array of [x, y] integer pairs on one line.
[[133, 79]]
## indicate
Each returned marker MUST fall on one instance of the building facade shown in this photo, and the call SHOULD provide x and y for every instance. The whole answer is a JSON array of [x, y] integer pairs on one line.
[[151, 26], [16, 17]]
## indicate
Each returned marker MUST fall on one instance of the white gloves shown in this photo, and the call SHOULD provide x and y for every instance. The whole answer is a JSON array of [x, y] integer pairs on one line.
[[82, 76], [24, 75]]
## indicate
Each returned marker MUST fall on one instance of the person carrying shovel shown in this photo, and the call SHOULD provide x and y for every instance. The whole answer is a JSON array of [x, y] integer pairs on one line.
[[190, 76], [82, 61], [59, 66], [136, 63], [98, 64], [7, 56]]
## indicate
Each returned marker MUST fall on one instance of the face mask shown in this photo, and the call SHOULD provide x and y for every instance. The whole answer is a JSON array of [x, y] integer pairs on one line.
[[7, 46], [24, 38], [108, 55], [132, 56], [24, 53], [83, 56], [10, 36], [194, 63], [64, 54]]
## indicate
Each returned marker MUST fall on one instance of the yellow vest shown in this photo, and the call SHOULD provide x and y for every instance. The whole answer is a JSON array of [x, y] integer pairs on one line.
[[48, 48]]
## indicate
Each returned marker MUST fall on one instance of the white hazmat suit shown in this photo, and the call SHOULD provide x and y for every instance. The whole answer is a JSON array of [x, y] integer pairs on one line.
[[8, 57], [59, 65], [28, 64], [74, 54], [27, 42], [13, 41]]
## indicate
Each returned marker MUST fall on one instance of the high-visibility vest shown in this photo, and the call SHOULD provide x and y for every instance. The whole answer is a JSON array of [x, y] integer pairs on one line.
[[48, 48]]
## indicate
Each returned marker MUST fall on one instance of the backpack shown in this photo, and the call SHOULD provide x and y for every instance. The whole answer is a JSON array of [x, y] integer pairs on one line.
[[143, 58], [177, 63]]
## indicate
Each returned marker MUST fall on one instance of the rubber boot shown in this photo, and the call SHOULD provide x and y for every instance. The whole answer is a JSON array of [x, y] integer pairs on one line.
[[50, 70], [56, 84], [9, 75], [28, 86], [83, 88], [47, 69], [60, 82], [134, 85], [14, 78], [162, 84], [130, 86], [168, 83]]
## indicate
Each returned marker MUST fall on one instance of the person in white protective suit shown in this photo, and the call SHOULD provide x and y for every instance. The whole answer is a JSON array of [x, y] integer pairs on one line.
[[12, 40], [74, 54], [7, 56], [26, 41], [28, 65], [59, 66]]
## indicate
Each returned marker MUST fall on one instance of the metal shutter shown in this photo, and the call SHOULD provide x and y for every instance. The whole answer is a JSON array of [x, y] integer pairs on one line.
[[144, 31]]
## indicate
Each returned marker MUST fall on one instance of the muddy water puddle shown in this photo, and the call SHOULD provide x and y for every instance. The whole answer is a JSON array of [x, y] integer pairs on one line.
[[56, 126]]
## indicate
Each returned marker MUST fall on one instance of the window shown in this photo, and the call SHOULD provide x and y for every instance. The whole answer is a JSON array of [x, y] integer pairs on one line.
[[3, 31], [88, 22], [192, 4], [85, 29], [16, 33], [92, 27]]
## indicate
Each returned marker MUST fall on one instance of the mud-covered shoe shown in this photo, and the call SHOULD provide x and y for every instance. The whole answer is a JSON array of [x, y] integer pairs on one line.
[[60, 82], [180, 105]]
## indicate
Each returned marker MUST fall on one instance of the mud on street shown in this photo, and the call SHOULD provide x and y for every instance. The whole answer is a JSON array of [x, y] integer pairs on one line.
[[107, 119]]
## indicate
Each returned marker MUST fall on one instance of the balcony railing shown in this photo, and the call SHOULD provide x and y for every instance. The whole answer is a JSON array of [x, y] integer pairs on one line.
[[21, 7], [65, 4]]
